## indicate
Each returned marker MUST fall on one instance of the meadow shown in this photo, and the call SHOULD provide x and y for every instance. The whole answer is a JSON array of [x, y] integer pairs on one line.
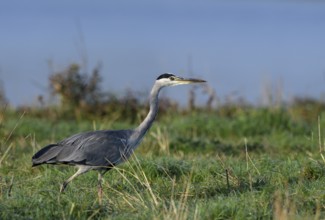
[[227, 163]]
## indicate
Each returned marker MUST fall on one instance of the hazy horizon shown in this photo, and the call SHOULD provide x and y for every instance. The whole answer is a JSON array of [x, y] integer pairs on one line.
[[238, 47]]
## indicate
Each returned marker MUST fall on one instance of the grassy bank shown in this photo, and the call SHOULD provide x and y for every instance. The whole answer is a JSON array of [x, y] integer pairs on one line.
[[256, 163]]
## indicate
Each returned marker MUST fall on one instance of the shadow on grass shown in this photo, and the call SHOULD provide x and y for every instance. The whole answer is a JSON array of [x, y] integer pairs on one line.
[[201, 145], [243, 185]]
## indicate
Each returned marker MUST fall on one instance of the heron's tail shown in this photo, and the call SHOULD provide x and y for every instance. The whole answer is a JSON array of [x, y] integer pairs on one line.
[[46, 155]]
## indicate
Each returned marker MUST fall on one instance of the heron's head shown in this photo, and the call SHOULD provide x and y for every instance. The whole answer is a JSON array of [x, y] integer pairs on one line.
[[168, 79]]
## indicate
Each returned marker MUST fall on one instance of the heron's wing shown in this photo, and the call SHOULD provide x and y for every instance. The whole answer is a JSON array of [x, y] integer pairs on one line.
[[46, 154], [99, 148], [95, 149]]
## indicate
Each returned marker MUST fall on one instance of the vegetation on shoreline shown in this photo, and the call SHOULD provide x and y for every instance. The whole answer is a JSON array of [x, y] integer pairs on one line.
[[250, 163], [236, 161]]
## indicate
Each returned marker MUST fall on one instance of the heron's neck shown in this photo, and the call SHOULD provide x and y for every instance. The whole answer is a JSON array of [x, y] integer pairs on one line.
[[147, 122]]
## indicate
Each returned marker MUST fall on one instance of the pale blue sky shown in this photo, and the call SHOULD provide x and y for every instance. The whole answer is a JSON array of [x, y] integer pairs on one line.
[[235, 45]]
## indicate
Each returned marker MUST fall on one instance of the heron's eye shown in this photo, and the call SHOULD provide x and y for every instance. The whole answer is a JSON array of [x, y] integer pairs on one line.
[[172, 78]]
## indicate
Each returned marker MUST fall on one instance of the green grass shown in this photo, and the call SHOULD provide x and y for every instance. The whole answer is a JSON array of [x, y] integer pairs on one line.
[[255, 164]]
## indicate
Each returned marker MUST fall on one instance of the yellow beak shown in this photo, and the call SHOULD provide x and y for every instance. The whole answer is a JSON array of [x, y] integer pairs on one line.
[[188, 80]]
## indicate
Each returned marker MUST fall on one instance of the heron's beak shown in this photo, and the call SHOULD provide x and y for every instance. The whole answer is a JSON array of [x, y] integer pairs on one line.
[[181, 80]]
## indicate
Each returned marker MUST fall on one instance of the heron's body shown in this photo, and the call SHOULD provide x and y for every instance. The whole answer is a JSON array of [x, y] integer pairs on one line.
[[81, 149], [102, 150]]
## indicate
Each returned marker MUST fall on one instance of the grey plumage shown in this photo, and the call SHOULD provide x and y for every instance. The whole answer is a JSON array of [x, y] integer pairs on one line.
[[83, 148], [102, 150]]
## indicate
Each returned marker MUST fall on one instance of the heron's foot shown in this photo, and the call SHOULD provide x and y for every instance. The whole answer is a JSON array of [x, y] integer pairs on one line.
[[63, 186]]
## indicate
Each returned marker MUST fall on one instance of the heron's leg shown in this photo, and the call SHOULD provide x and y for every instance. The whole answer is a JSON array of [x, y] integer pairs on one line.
[[100, 188], [81, 170]]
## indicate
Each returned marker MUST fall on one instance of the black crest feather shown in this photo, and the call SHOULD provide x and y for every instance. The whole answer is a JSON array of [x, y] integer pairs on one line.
[[165, 75]]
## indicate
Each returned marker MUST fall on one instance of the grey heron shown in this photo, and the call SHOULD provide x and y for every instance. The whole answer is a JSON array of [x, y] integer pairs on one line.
[[102, 150]]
